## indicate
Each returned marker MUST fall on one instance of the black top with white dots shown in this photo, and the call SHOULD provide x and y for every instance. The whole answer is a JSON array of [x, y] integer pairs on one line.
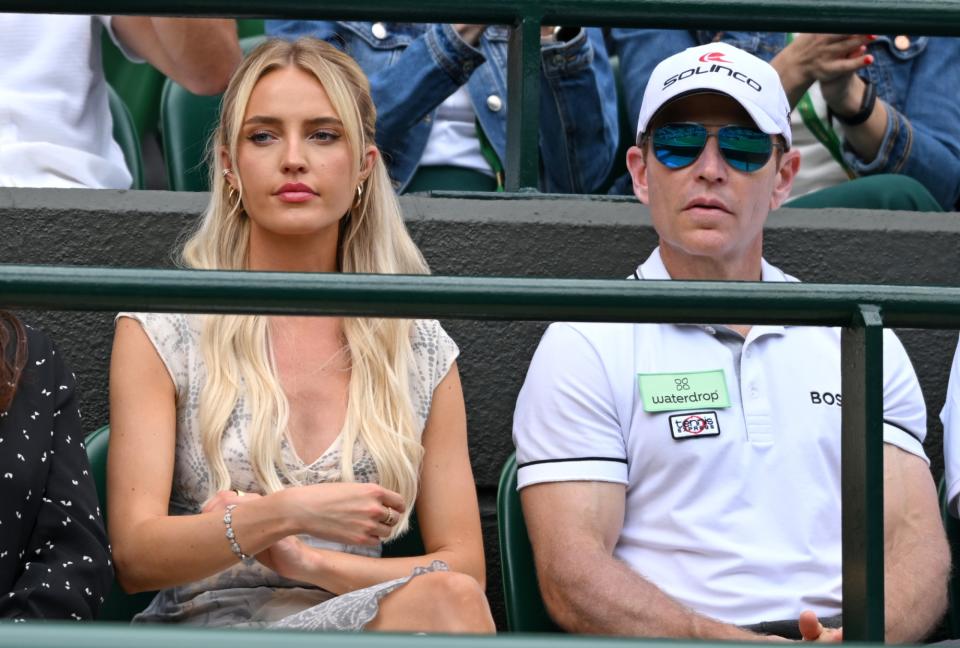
[[54, 557]]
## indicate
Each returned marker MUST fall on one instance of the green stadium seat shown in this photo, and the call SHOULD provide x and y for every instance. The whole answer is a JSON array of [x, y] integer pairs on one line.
[[120, 606], [525, 609], [138, 84], [186, 124], [125, 133]]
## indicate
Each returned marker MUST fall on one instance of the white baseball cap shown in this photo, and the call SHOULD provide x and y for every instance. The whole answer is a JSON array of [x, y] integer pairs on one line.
[[723, 68]]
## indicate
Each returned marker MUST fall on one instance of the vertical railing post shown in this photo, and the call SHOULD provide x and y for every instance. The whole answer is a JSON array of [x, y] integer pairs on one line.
[[523, 105], [862, 476]]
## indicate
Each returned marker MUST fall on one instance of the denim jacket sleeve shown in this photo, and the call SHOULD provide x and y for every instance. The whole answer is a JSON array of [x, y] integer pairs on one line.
[[922, 139], [579, 128], [418, 79], [412, 69]]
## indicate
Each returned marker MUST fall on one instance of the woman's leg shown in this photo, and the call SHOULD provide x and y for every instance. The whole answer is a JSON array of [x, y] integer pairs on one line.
[[885, 191], [435, 602]]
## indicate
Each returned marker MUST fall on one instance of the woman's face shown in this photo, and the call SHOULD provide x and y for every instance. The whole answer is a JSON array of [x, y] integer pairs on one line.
[[299, 178]]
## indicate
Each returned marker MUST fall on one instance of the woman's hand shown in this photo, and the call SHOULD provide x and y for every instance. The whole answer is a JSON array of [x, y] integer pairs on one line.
[[349, 513], [831, 59], [289, 557], [469, 33], [223, 499]]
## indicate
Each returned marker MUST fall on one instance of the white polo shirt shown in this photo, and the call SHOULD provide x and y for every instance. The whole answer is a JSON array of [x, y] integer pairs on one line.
[[732, 508], [950, 416], [55, 123]]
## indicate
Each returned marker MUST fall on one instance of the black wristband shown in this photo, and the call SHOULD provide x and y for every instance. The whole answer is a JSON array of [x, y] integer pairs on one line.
[[866, 106]]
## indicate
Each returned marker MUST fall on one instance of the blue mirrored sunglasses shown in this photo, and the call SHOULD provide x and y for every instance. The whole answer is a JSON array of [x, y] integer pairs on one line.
[[746, 149]]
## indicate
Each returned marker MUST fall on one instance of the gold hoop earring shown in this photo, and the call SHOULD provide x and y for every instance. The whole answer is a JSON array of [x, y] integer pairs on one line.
[[233, 199], [356, 203]]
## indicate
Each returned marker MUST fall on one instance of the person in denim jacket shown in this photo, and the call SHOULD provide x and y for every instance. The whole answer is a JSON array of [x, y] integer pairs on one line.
[[639, 50], [908, 123], [414, 68]]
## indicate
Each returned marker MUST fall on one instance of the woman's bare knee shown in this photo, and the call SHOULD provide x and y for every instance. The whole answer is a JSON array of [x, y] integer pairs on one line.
[[436, 602]]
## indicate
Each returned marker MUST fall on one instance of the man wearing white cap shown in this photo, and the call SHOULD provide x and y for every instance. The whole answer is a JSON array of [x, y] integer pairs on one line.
[[707, 458]]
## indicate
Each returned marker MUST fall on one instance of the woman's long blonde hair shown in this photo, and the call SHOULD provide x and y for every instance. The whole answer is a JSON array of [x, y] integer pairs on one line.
[[373, 238]]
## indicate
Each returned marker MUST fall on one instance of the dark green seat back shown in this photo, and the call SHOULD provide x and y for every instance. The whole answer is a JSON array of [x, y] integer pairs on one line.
[[119, 606], [525, 609], [409, 544], [125, 133], [186, 124]]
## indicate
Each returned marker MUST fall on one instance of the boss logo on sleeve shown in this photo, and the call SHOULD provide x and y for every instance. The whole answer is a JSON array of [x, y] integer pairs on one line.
[[694, 424]]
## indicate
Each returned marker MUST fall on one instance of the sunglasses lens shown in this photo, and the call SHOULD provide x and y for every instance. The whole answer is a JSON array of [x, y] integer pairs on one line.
[[678, 145], [745, 149]]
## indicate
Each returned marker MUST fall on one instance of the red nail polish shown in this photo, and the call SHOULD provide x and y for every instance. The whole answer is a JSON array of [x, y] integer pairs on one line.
[[872, 37], [868, 59]]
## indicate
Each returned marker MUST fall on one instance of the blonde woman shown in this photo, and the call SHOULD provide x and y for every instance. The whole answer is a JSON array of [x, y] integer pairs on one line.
[[257, 463]]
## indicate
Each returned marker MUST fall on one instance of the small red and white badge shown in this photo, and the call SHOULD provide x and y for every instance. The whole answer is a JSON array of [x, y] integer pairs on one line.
[[694, 424]]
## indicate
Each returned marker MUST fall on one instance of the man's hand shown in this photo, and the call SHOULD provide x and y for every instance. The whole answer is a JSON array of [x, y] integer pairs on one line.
[[812, 630]]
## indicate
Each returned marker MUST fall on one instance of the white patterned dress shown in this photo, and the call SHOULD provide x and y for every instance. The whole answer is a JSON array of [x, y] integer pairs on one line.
[[249, 594]]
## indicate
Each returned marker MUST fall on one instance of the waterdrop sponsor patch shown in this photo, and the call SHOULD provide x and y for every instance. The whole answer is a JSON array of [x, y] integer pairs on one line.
[[670, 392]]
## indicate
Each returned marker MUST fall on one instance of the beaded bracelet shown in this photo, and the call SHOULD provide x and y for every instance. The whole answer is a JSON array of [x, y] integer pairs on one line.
[[231, 536]]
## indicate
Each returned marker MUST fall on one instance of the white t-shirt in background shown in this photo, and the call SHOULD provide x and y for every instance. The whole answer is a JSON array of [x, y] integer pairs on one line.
[[55, 123], [453, 136]]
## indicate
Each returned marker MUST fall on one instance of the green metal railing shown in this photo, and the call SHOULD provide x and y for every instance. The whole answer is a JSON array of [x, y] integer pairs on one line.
[[862, 311]]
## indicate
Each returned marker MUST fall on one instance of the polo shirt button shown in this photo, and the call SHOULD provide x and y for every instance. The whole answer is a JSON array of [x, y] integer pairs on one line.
[[494, 103], [901, 42], [379, 30]]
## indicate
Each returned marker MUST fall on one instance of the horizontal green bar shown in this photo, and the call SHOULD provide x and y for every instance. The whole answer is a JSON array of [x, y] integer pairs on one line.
[[595, 300], [940, 17], [104, 635]]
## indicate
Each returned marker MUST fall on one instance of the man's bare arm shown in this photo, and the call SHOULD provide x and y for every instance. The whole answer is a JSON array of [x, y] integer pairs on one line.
[[198, 53], [916, 554], [574, 527]]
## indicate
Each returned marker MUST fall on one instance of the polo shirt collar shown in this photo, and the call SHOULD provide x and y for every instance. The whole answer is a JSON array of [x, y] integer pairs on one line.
[[653, 268]]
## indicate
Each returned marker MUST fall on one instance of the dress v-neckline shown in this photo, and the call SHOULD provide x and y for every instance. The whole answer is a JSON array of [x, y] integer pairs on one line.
[[330, 449]]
